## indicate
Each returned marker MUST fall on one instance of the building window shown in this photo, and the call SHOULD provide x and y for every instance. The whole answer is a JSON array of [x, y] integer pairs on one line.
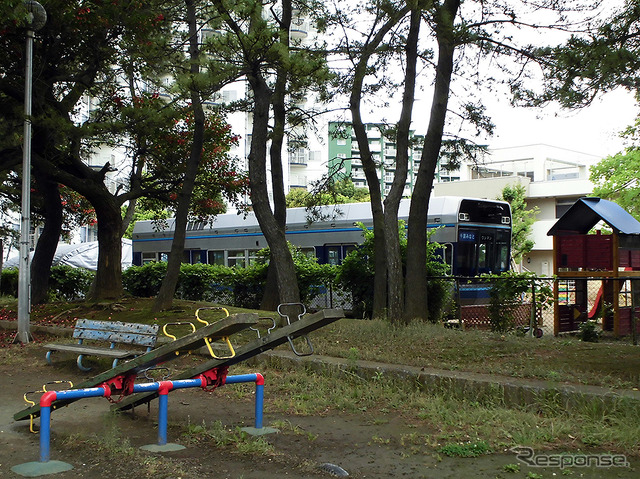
[[563, 205]]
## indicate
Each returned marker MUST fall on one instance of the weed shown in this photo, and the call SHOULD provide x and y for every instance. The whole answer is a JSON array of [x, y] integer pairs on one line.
[[466, 449], [533, 475], [220, 436], [511, 468]]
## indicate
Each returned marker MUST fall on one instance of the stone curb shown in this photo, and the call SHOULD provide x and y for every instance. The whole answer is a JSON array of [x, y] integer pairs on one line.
[[482, 388]]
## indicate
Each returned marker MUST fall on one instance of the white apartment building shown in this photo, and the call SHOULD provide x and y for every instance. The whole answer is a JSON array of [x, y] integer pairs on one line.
[[554, 178]]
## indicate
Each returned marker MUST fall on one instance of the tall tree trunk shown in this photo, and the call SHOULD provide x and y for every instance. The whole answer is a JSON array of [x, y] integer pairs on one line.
[[368, 165], [108, 280], [416, 300], [48, 240], [167, 291], [395, 286], [273, 233], [270, 299]]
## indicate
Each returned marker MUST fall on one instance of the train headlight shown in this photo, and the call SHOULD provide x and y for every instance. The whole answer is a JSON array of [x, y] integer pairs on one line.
[[506, 220], [463, 216]]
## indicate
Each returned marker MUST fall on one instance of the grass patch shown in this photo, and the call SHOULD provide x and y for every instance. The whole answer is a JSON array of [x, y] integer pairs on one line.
[[444, 419], [217, 435], [556, 360], [465, 449], [615, 365]]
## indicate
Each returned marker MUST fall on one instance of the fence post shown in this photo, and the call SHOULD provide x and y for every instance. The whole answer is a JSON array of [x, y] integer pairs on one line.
[[533, 324], [634, 305]]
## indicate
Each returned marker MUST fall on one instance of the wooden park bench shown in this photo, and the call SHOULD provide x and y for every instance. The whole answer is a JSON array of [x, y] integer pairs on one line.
[[113, 333]]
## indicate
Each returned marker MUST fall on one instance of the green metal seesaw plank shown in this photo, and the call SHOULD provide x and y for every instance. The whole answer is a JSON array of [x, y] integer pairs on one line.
[[225, 327], [279, 336]]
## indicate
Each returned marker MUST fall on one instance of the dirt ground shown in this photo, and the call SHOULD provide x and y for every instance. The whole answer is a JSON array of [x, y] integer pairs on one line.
[[87, 436]]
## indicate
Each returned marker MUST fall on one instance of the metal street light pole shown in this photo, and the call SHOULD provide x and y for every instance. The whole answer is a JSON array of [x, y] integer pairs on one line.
[[37, 19]]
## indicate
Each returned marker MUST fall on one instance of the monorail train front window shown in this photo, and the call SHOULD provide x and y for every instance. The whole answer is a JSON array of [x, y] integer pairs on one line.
[[466, 258], [503, 251]]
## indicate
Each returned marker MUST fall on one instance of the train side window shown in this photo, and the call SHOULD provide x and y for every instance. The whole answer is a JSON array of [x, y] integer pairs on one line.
[[466, 259], [333, 255], [484, 265], [215, 257], [148, 257], [237, 258], [309, 252], [252, 256], [348, 249]]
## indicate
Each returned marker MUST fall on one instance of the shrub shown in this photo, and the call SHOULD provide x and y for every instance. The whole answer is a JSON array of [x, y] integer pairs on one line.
[[589, 332], [9, 282], [145, 280], [356, 275], [507, 290], [69, 283], [195, 281]]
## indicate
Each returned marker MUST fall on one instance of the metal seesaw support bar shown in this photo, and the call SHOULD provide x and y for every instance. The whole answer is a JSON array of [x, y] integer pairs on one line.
[[45, 466]]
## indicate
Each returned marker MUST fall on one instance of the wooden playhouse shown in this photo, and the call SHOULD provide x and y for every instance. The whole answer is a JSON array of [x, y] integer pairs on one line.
[[597, 274]]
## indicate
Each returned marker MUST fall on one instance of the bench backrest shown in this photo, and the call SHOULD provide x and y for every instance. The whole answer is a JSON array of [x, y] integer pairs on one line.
[[117, 332]]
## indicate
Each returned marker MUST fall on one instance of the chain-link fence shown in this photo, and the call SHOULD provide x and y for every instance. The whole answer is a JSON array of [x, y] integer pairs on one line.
[[473, 303]]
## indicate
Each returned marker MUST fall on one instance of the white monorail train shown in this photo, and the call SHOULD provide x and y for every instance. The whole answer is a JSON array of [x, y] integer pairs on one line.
[[476, 235]]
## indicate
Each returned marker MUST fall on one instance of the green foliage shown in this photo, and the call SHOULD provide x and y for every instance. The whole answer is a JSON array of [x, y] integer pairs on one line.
[[600, 60], [195, 280], [69, 283], [9, 282], [522, 220], [465, 449], [589, 332], [356, 275], [144, 280], [617, 178], [65, 283], [144, 211], [507, 290], [242, 287], [336, 193]]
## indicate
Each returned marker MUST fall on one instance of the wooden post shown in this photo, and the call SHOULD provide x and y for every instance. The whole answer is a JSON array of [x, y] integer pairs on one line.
[[616, 283]]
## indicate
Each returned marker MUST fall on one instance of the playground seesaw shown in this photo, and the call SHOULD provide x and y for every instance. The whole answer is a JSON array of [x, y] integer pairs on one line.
[[298, 328], [127, 372], [122, 376]]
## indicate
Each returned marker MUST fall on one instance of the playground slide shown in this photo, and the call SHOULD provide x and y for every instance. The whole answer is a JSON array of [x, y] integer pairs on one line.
[[595, 309]]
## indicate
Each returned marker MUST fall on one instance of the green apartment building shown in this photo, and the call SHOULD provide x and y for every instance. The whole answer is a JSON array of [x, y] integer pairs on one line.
[[344, 156]]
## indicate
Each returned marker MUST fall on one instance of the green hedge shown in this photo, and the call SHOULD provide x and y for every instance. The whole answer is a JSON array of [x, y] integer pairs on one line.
[[65, 283], [241, 287]]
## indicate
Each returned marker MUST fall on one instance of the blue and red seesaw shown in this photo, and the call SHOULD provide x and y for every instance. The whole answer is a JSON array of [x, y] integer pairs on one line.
[[207, 381]]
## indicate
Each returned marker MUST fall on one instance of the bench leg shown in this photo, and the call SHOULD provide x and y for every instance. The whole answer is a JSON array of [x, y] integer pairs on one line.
[[80, 365]]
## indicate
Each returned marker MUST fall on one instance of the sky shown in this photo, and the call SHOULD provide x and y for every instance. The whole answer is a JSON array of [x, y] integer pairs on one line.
[[593, 130]]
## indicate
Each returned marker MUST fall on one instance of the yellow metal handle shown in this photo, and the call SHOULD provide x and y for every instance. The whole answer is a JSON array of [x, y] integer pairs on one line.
[[44, 386], [178, 323], [214, 308], [207, 341]]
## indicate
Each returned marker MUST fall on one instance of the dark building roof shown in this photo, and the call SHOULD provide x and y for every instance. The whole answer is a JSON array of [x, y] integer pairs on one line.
[[587, 212]]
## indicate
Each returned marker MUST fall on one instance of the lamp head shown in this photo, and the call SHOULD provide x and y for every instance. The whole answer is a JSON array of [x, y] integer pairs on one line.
[[37, 15]]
